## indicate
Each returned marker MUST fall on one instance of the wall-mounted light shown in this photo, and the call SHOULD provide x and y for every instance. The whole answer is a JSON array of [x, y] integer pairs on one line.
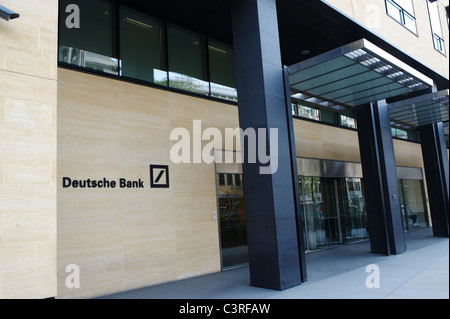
[[7, 14]]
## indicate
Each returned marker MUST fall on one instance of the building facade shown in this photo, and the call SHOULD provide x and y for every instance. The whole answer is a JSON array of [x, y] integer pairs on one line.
[[118, 120]]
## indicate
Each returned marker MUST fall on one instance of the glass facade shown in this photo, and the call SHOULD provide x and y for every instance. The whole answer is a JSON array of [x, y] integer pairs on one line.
[[347, 119], [222, 72], [141, 47], [309, 111], [332, 199], [118, 41], [187, 60], [410, 135]]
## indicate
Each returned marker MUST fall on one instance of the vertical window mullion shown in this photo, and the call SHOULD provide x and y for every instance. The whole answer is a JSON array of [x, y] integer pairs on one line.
[[116, 36], [166, 52], [208, 67]]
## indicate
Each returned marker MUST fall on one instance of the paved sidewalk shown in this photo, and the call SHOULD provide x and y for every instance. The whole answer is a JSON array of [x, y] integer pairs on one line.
[[422, 272]]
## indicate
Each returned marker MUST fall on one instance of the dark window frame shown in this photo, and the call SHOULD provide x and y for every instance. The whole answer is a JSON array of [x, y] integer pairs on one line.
[[116, 55], [403, 13], [438, 42]]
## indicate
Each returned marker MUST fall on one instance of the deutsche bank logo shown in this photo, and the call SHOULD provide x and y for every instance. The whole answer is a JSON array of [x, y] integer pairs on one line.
[[159, 176]]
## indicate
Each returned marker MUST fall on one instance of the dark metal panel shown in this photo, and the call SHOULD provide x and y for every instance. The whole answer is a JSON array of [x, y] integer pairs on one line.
[[269, 199], [295, 181], [380, 179], [435, 158]]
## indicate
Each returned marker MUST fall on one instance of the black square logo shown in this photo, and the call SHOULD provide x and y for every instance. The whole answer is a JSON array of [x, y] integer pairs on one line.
[[159, 176]]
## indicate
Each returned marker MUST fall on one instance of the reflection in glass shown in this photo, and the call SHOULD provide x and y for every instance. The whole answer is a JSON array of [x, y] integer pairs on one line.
[[187, 60], [334, 211], [353, 211], [399, 133], [232, 218], [313, 213], [90, 46], [412, 204], [347, 121], [308, 112], [141, 48], [222, 71]]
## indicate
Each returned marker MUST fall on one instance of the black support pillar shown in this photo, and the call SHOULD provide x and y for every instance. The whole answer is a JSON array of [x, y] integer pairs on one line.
[[435, 159], [380, 179], [274, 258]]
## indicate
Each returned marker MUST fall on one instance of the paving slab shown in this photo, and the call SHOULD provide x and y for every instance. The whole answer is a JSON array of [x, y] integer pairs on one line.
[[342, 272]]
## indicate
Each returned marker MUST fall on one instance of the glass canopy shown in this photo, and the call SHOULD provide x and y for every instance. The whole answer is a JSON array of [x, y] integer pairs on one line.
[[360, 73], [421, 110], [355, 74]]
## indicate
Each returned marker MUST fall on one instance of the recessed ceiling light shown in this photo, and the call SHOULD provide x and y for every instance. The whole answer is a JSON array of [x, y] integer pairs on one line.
[[305, 52]]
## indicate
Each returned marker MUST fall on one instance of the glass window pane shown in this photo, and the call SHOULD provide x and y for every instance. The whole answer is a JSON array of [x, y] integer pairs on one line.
[[410, 22], [436, 27], [347, 121], [221, 179], [187, 61], [222, 71], [402, 134], [403, 12], [406, 5], [294, 108], [329, 116], [394, 10], [141, 47], [229, 179], [308, 112], [237, 180], [91, 45]]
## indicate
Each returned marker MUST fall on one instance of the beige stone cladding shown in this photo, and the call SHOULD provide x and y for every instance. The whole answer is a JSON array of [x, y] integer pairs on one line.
[[28, 88], [372, 15], [129, 238]]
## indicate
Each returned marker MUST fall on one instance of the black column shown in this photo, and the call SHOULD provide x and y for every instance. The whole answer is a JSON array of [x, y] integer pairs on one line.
[[435, 159], [380, 179], [269, 198]]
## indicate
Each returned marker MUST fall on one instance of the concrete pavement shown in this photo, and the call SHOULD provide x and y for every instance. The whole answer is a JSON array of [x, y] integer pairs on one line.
[[341, 272]]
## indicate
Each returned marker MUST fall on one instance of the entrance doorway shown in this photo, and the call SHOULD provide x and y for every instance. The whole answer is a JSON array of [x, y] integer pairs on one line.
[[413, 207], [334, 211], [232, 220]]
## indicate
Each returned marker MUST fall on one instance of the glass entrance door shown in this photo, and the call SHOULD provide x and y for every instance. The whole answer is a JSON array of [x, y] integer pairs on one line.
[[334, 211], [412, 204], [353, 211], [232, 220], [321, 212]]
